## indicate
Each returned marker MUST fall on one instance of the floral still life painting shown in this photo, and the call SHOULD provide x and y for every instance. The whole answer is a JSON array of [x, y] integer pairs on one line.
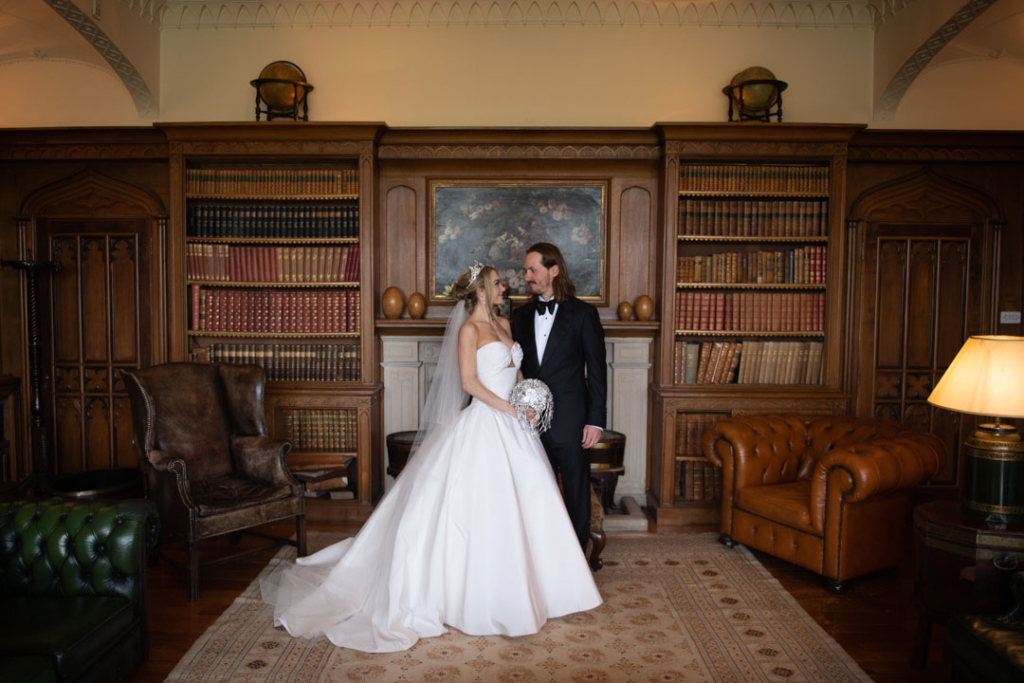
[[495, 224]]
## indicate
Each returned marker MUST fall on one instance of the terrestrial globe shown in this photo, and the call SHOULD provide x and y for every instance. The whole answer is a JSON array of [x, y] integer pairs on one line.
[[282, 96], [757, 97]]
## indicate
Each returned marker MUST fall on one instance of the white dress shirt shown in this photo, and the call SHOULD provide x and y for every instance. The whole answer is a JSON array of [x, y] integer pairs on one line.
[[542, 330]]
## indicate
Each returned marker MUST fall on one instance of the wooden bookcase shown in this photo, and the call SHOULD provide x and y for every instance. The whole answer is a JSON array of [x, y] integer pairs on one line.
[[752, 305], [273, 236]]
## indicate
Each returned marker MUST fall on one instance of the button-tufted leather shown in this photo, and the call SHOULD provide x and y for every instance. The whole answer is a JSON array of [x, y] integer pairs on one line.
[[73, 588], [828, 493]]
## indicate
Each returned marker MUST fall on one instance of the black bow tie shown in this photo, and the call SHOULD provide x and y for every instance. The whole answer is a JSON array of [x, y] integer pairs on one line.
[[546, 306]]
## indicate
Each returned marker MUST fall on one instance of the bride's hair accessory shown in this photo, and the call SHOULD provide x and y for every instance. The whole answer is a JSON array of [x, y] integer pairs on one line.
[[474, 271], [532, 393]]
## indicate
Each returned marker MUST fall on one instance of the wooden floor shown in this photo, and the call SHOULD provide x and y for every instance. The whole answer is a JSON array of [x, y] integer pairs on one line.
[[874, 621]]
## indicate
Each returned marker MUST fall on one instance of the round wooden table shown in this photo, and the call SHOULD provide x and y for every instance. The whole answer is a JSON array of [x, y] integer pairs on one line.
[[962, 566]]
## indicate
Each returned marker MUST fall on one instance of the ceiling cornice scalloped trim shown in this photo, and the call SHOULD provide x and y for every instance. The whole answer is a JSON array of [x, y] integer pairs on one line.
[[218, 14]]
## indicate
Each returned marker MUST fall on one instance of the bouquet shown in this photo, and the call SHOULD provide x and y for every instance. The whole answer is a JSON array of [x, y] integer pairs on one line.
[[532, 393]]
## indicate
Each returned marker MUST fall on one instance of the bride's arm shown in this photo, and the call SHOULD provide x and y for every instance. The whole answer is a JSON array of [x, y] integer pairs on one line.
[[468, 339]]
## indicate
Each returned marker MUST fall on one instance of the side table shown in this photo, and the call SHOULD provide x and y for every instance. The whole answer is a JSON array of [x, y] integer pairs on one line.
[[962, 566]]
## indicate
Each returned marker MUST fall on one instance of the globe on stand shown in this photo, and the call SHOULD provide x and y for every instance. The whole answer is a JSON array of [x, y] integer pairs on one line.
[[283, 89], [754, 92]]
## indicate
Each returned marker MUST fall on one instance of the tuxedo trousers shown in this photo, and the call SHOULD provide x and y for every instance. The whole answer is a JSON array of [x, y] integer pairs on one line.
[[572, 465]]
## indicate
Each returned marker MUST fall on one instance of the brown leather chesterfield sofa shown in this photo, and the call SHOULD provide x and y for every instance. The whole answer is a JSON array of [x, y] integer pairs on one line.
[[829, 493]]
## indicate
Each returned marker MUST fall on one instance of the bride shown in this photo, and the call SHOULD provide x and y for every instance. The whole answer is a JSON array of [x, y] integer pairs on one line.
[[473, 534]]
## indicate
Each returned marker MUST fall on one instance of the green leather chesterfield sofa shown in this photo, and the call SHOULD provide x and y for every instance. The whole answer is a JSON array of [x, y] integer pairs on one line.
[[73, 588]]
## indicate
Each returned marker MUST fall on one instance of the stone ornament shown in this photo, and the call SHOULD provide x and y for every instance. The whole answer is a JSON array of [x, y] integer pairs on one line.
[[532, 393]]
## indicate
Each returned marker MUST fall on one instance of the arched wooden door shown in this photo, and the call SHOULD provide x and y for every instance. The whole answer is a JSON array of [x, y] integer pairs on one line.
[[101, 311], [924, 253]]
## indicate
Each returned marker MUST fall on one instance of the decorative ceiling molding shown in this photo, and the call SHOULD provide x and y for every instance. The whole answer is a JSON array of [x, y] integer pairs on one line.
[[887, 104], [202, 14], [121, 65], [147, 9]]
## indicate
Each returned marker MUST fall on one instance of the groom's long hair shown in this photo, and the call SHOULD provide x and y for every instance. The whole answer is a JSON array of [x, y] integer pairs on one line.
[[551, 256]]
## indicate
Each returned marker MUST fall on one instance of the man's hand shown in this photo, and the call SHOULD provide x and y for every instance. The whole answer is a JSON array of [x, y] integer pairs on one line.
[[591, 435]]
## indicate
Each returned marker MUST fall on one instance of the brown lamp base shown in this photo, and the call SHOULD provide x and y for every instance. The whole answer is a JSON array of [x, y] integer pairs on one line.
[[994, 466]]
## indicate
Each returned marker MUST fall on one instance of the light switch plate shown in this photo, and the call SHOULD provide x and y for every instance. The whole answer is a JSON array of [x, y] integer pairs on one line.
[[1009, 317]]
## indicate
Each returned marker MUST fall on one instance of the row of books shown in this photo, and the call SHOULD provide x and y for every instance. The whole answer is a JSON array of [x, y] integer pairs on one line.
[[753, 178], [699, 480], [748, 362], [320, 430], [288, 362], [690, 432], [752, 218], [803, 265], [272, 220], [229, 263], [275, 182], [751, 311], [267, 310]]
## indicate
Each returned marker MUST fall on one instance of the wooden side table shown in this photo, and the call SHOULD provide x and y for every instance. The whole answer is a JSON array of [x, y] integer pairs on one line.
[[962, 566]]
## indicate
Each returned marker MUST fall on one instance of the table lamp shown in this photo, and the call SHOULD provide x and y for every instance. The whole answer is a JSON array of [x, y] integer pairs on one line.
[[987, 378]]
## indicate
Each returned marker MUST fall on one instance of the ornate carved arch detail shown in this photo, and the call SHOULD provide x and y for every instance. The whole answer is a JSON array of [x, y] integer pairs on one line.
[[928, 197], [93, 195]]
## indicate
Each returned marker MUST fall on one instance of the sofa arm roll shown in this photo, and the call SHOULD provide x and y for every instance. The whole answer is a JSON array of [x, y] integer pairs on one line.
[[875, 467], [759, 449]]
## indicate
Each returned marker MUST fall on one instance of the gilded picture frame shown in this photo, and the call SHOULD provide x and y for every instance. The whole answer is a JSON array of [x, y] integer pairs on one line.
[[495, 222]]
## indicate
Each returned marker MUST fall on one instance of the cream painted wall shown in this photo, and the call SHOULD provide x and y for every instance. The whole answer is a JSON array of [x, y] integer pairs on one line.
[[516, 76], [964, 95], [61, 92]]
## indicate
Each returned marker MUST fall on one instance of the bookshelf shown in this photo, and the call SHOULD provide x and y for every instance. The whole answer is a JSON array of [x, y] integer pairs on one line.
[[275, 255], [752, 304]]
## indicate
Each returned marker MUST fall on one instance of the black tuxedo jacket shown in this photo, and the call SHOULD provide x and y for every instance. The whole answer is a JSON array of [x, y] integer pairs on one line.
[[576, 343]]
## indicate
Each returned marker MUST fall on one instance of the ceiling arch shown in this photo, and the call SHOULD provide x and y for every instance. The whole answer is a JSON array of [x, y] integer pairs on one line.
[[118, 61]]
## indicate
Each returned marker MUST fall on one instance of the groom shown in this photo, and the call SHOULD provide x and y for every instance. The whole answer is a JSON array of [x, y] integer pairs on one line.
[[561, 337]]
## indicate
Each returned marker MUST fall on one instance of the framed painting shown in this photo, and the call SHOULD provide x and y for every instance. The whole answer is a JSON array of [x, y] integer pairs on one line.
[[495, 223]]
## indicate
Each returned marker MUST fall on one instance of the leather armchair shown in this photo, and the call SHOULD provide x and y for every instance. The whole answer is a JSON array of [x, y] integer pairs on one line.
[[831, 494], [73, 588], [210, 466]]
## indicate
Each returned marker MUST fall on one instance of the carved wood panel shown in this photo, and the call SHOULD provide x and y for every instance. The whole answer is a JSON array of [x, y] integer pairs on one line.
[[92, 316], [925, 257], [920, 285]]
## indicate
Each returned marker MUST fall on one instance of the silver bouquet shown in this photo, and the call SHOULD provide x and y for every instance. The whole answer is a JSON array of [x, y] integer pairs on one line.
[[532, 393]]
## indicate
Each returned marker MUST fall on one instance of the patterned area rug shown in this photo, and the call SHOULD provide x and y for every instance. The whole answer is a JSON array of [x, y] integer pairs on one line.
[[678, 608]]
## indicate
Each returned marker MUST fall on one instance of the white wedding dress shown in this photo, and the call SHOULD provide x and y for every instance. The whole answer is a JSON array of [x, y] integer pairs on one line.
[[472, 535]]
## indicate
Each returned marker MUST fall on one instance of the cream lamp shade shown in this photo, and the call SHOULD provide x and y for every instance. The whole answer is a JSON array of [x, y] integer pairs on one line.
[[985, 378]]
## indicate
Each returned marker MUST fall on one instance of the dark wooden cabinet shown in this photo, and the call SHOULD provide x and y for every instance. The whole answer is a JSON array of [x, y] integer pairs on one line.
[[273, 231], [752, 307]]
